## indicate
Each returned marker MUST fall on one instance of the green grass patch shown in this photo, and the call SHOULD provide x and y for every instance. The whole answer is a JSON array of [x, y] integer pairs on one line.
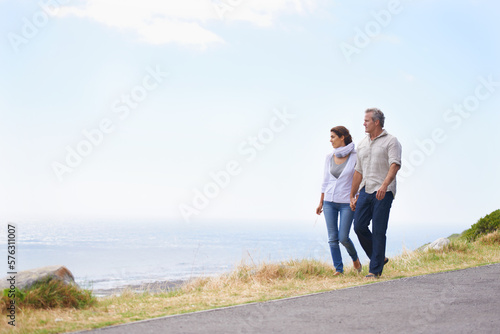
[[49, 294]]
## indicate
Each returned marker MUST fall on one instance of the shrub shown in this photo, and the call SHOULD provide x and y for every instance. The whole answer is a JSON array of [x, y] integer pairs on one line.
[[485, 225], [51, 293]]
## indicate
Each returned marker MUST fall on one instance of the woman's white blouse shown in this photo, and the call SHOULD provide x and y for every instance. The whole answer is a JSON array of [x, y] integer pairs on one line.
[[338, 190]]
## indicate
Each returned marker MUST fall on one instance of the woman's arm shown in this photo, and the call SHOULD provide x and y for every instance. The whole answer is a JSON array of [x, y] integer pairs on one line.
[[319, 209], [324, 185]]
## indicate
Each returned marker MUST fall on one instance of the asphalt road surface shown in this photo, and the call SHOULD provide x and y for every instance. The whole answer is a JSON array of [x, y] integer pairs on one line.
[[462, 301]]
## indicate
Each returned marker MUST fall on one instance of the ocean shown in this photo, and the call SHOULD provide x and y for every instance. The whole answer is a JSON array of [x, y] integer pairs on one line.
[[106, 255]]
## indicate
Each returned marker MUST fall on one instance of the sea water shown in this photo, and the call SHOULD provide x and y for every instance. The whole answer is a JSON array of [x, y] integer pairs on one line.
[[111, 254]]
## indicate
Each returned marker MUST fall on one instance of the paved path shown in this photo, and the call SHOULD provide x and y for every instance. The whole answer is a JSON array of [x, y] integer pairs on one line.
[[463, 301]]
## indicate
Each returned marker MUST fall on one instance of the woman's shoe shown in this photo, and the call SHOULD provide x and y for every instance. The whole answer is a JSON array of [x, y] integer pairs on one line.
[[386, 260], [357, 265]]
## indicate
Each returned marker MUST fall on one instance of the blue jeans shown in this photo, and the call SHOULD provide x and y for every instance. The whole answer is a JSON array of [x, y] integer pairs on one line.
[[373, 242], [339, 233]]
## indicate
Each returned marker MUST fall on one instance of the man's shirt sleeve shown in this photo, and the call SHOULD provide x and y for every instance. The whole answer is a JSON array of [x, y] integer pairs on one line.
[[394, 152]]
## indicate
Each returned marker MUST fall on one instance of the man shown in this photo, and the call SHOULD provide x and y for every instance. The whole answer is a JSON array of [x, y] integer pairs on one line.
[[379, 159]]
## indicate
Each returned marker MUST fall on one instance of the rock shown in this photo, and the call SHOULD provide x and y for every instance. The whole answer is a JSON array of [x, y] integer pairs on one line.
[[438, 244], [25, 279]]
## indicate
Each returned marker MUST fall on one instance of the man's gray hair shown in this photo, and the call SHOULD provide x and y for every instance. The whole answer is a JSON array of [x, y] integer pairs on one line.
[[377, 115]]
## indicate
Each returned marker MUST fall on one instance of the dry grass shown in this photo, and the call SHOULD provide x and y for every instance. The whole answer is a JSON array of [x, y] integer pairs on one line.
[[251, 284], [490, 239]]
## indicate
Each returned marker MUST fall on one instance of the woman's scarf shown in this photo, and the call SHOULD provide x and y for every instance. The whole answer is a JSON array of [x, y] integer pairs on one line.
[[343, 151]]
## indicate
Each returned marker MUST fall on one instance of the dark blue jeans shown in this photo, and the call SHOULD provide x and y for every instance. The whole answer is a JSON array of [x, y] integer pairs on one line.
[[373, 242]]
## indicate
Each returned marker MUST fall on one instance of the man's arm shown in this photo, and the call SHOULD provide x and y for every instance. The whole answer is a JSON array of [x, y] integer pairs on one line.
[[356, 181], [391, 175]]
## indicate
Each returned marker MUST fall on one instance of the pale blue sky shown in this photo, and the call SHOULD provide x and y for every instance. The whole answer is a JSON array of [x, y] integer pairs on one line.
[[228, 73]]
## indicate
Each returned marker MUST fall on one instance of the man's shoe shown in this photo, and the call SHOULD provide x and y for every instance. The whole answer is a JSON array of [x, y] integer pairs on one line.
[[337, 273], [372, 276]]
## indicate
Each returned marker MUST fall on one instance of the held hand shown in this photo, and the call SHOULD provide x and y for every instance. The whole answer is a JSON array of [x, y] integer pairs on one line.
[[354, 200], [319, 209], [381, 193]]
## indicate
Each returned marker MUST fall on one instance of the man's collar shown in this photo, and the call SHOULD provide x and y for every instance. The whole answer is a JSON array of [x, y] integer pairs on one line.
[[383, 133]]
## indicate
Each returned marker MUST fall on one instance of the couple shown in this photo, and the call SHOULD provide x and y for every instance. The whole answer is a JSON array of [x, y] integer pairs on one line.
[[362, 186]]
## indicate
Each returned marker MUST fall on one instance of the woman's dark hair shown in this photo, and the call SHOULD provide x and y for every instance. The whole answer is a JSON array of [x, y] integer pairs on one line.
[[342, 131]]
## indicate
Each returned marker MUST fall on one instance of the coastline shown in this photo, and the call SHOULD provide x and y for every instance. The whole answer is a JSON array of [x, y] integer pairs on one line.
[[166, 286], [154, 287]]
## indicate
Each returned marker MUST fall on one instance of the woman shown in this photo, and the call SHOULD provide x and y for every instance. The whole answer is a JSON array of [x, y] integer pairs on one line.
[[335, 196]]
